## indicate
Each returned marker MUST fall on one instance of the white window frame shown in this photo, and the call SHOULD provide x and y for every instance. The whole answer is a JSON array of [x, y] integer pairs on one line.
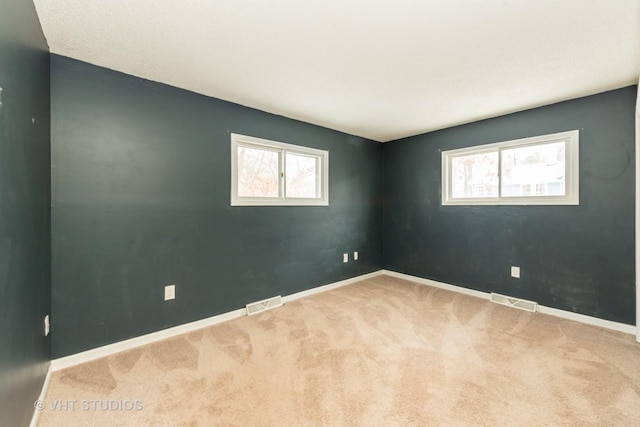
[[571, 197], [282, 149]]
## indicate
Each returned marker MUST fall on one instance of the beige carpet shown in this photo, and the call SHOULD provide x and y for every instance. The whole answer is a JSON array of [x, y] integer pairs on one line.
[[382, 352]]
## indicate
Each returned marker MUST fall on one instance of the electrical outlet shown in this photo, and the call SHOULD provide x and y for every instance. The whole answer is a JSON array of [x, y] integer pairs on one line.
[[355, 256], [169, 292], [515, 272], [47, 325], [345, 257]]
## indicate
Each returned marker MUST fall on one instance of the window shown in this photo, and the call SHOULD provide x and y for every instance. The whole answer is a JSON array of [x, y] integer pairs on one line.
[[265, 173], [541, 170]]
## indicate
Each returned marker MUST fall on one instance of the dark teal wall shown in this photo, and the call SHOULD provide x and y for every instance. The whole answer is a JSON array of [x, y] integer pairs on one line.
[[141, 199], [575, 258], [25, 258]]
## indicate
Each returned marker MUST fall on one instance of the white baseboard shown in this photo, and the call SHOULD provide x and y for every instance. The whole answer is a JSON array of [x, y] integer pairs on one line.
[[440, 285], [577, 317], [594, 321], [107, 350], [41, 398], [330, 286]]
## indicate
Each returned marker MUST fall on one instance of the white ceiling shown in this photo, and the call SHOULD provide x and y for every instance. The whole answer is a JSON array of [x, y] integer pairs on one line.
[[379, 69]]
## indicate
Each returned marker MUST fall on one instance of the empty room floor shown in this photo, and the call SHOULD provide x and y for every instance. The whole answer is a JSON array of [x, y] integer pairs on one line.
[[381, 352]]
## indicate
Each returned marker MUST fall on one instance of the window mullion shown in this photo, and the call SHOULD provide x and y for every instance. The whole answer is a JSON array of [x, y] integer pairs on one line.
[[283, 181]]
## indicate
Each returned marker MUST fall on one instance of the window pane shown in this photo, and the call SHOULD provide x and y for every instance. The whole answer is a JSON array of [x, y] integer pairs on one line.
[[258, 173], [475, 175], [537, 170], [301, 176]]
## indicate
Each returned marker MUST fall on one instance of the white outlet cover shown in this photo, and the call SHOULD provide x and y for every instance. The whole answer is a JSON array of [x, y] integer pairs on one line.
[[47, 325], [515, 272], [169, 292], [355, 256], [345, 258]]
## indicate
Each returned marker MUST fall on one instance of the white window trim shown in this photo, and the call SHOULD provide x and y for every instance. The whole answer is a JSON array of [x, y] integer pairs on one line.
[[572, 190], [282, 148]]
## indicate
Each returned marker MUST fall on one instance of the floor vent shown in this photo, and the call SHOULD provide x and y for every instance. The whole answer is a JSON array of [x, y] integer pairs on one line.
[[522, 304], [266, 304]]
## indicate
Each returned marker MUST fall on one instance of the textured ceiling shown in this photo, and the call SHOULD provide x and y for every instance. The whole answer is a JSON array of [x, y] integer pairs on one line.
[[379, 69]]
